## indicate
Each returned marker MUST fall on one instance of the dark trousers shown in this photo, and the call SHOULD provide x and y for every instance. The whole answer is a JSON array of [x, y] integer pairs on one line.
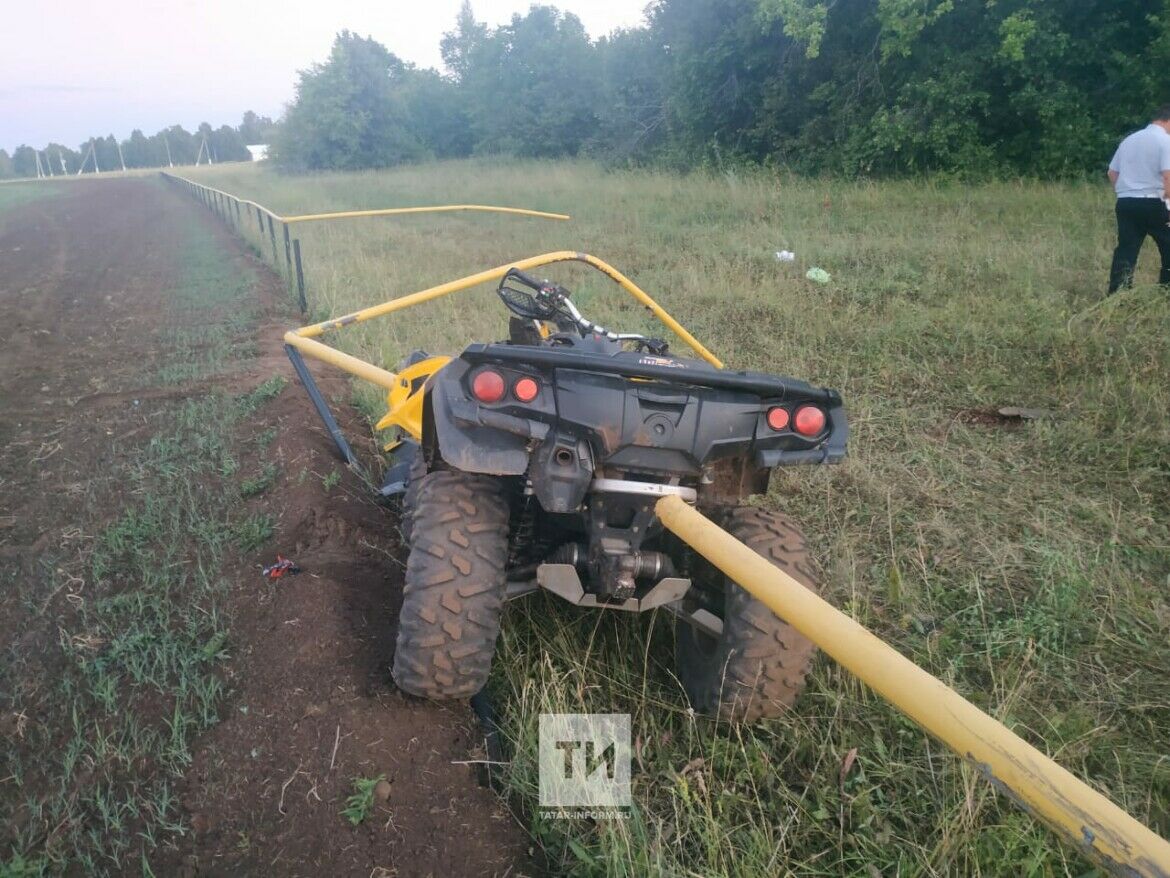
[[1136, 218]]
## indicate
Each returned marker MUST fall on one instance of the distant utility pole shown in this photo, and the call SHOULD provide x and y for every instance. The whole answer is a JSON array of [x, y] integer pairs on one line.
[[37, 156], [85, 158], [49, 164], [93, 149], [170, 164], [204, 149], [61, 159], [118, 143]]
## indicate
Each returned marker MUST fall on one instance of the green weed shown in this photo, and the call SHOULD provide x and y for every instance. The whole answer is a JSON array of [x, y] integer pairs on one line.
[[254, 531], [263, 393], [331, 479], [261, 482], [360, 805]]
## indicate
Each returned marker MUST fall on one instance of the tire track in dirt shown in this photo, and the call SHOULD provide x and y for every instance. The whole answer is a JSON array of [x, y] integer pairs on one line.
[[82, 286]]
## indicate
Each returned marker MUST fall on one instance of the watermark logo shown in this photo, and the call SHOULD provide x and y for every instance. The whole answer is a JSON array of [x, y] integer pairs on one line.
[[585, 761]]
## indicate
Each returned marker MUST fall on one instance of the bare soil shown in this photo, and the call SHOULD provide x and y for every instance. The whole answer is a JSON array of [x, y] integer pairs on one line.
[[311, 704]]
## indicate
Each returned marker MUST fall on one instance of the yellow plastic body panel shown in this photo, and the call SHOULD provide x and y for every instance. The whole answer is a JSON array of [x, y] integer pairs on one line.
[[404, 402]]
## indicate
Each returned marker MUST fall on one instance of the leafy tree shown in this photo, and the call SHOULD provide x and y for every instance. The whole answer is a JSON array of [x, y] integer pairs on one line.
[[106, 151], [458, 46], [256, 129], [182, 144], [6, 168], [631, 111], [140, 152], [227, 145], [872, 87], [533, 85], [56, 153], [437, 114], [349, 112], [24, 161]]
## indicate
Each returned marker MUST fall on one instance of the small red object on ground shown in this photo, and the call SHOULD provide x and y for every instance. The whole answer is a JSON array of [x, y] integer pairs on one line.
[[281, 567]]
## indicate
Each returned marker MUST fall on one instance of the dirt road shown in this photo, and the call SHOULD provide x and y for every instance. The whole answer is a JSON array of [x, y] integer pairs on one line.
[[101, 341]]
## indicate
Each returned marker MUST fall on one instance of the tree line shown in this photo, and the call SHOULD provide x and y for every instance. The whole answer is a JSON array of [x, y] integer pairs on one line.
[[173, 145], [859, 87]]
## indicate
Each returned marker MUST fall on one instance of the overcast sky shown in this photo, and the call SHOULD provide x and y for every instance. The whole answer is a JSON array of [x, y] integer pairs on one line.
[[74, 68]]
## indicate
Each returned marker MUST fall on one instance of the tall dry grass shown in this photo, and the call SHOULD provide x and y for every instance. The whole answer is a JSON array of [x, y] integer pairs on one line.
[[1028, 565]]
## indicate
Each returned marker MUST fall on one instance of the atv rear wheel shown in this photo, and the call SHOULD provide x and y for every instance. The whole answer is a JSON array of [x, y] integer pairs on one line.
[[454, 591], [757, 667]]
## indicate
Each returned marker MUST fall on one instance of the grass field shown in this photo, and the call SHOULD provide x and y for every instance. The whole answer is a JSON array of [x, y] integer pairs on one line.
[[1028, 565]]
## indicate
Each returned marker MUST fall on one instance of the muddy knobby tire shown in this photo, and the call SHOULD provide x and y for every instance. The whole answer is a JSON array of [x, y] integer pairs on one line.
[[758, 666], [418, 472], [454, 592]]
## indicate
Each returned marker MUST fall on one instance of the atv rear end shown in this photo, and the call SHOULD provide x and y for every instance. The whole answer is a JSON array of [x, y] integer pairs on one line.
[[535, 463]]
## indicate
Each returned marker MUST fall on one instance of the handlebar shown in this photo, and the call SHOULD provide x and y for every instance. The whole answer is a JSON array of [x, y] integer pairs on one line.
[[556, 298], [526, 279]]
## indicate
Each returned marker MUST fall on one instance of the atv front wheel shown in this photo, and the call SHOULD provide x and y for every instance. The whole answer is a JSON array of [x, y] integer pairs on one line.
[[454, 592], [757, 667]]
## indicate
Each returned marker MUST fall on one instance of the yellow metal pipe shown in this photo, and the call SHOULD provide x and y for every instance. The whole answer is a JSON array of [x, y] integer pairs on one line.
[[342, 361], [390, 211], [499, 271], [1084, 817], [656, 309], [394, 211]]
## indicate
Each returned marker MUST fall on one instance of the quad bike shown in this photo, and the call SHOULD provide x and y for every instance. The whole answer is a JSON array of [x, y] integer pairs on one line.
[[536, 462]]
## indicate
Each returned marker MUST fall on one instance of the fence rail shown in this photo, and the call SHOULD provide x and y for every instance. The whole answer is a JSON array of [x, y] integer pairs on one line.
[[1087, 820], [231, 208]]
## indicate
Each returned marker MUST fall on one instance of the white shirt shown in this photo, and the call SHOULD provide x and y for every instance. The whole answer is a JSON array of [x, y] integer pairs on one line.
[[1140, 161]]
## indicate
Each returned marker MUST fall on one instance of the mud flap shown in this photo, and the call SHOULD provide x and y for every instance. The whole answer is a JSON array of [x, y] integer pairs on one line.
[[397, 475]]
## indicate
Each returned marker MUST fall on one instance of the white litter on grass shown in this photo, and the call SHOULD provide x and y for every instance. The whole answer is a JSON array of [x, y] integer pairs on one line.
[[785, 256]]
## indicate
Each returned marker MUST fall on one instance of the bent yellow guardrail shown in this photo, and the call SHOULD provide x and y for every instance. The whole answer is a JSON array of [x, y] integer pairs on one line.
[[389, 211], [302, 338], [1085, 818], [224, 203], [443, 208]]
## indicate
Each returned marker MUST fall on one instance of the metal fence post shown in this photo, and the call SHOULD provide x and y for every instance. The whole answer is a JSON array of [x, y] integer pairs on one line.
[[260, 222], [296, 248], [272, 236], [287, 250]]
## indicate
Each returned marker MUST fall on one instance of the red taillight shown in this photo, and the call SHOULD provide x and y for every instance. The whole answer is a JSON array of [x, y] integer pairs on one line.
[[809, 420], [777, 418], [488, 386], [526, 389]]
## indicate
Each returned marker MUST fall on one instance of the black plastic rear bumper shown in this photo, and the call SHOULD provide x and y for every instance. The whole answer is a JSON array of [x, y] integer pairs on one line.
[[769, 386]]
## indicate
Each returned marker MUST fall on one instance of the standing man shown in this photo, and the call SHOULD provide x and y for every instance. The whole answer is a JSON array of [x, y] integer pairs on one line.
[[1140, 174]]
